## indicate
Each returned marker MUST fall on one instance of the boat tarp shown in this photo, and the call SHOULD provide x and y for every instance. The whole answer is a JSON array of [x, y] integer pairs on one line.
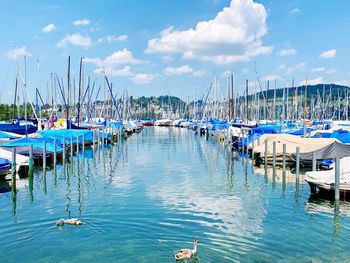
[[291, 141], [18, 129], [36, 142], [330, 151], [20, 159], [326, 178], [5, 164], [5, 135], [67, 134]]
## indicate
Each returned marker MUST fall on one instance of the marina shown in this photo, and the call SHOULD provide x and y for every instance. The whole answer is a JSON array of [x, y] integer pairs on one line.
[[174, 131], [137, 207]]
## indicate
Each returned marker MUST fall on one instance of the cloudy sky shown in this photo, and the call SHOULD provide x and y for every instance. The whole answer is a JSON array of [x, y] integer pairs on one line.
[[174, 47]]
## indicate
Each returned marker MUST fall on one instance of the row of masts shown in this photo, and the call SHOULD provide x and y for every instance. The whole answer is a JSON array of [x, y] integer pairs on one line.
[[91, 100]]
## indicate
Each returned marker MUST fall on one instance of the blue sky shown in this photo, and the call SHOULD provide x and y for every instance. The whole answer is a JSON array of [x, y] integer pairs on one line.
[[174, 47]]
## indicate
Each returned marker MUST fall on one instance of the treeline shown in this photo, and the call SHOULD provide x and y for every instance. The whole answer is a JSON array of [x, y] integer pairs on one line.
[[8, 112]]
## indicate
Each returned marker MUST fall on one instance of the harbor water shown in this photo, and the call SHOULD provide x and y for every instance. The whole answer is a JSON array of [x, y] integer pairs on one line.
[[149, 195]]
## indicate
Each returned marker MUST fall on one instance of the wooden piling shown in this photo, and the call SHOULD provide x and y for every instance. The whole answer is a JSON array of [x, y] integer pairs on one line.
[[71, 146], [44, 156], [337, 179], [297, 164], [31, 159], [284, 158], [265, 156], [54, 152], [274, 154]]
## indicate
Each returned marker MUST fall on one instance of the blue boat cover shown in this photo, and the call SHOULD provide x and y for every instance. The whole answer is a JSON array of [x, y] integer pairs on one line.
[[36, 142], [18, 129], [5, 164]]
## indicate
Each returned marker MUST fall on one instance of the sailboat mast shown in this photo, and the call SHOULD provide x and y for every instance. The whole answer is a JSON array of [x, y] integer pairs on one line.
[[68, 89]]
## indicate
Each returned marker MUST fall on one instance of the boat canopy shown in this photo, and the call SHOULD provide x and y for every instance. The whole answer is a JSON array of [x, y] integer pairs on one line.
[[36, 142], [326, 179], [18, 129], [291, 141], [330, 151]]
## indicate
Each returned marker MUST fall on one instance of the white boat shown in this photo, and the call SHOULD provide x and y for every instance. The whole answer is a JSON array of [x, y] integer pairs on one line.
[[325, 180]]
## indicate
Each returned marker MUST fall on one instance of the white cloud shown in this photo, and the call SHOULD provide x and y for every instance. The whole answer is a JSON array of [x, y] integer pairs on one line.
[[18, 52], [112, 38], [287, 52], [272, 77], [226, 73], [328, 53], [331, 71], [342, 82], [319, 69], [75, 39], [199, 73], [81, 22], [235, 34], [245, 71], [111, 72], [318, 80], [119, 57], [167, 59], [282, 66], [185, 69], [48, 28], [144, 78], [294, 11], [296, 68]]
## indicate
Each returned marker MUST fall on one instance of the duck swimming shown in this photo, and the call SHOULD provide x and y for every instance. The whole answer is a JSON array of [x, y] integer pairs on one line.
[[71, 221], [187, 253]]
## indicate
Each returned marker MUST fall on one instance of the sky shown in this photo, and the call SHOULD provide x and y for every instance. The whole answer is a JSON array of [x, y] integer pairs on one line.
[[173, 47]]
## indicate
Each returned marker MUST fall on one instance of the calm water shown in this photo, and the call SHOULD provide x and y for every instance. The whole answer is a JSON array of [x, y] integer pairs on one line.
[[155, 192]]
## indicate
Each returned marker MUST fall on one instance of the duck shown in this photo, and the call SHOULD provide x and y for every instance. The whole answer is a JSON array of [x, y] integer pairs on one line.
[[70, 221], [187, 253]]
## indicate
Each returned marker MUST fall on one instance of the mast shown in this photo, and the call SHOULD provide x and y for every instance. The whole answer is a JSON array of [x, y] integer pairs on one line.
[[68, 87], [79, 91], [25, 98], [274, 102], [15, 98], [305, 98], [246, 100]]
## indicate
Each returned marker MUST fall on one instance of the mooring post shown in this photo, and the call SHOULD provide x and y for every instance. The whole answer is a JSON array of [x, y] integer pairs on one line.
[[44, 156], [337, 180], [313, 161], [265, 156], [274, 154], [98, 138], [78, 145], [93, 139], [247, 150], [284, 157], [297, 161], [71, 146], [54, 152], [83, 146], [253, 148], [14, 169], [64, 149], [31, 159]]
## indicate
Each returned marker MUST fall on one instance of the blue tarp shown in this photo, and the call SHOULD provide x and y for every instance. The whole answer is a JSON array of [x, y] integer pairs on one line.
[[18, 129], [67, 134], [4, 135], [4, 164], [36, 142]]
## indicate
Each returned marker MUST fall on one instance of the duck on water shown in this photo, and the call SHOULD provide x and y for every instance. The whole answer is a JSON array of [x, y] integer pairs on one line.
[[70, 221], [187, 253]]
